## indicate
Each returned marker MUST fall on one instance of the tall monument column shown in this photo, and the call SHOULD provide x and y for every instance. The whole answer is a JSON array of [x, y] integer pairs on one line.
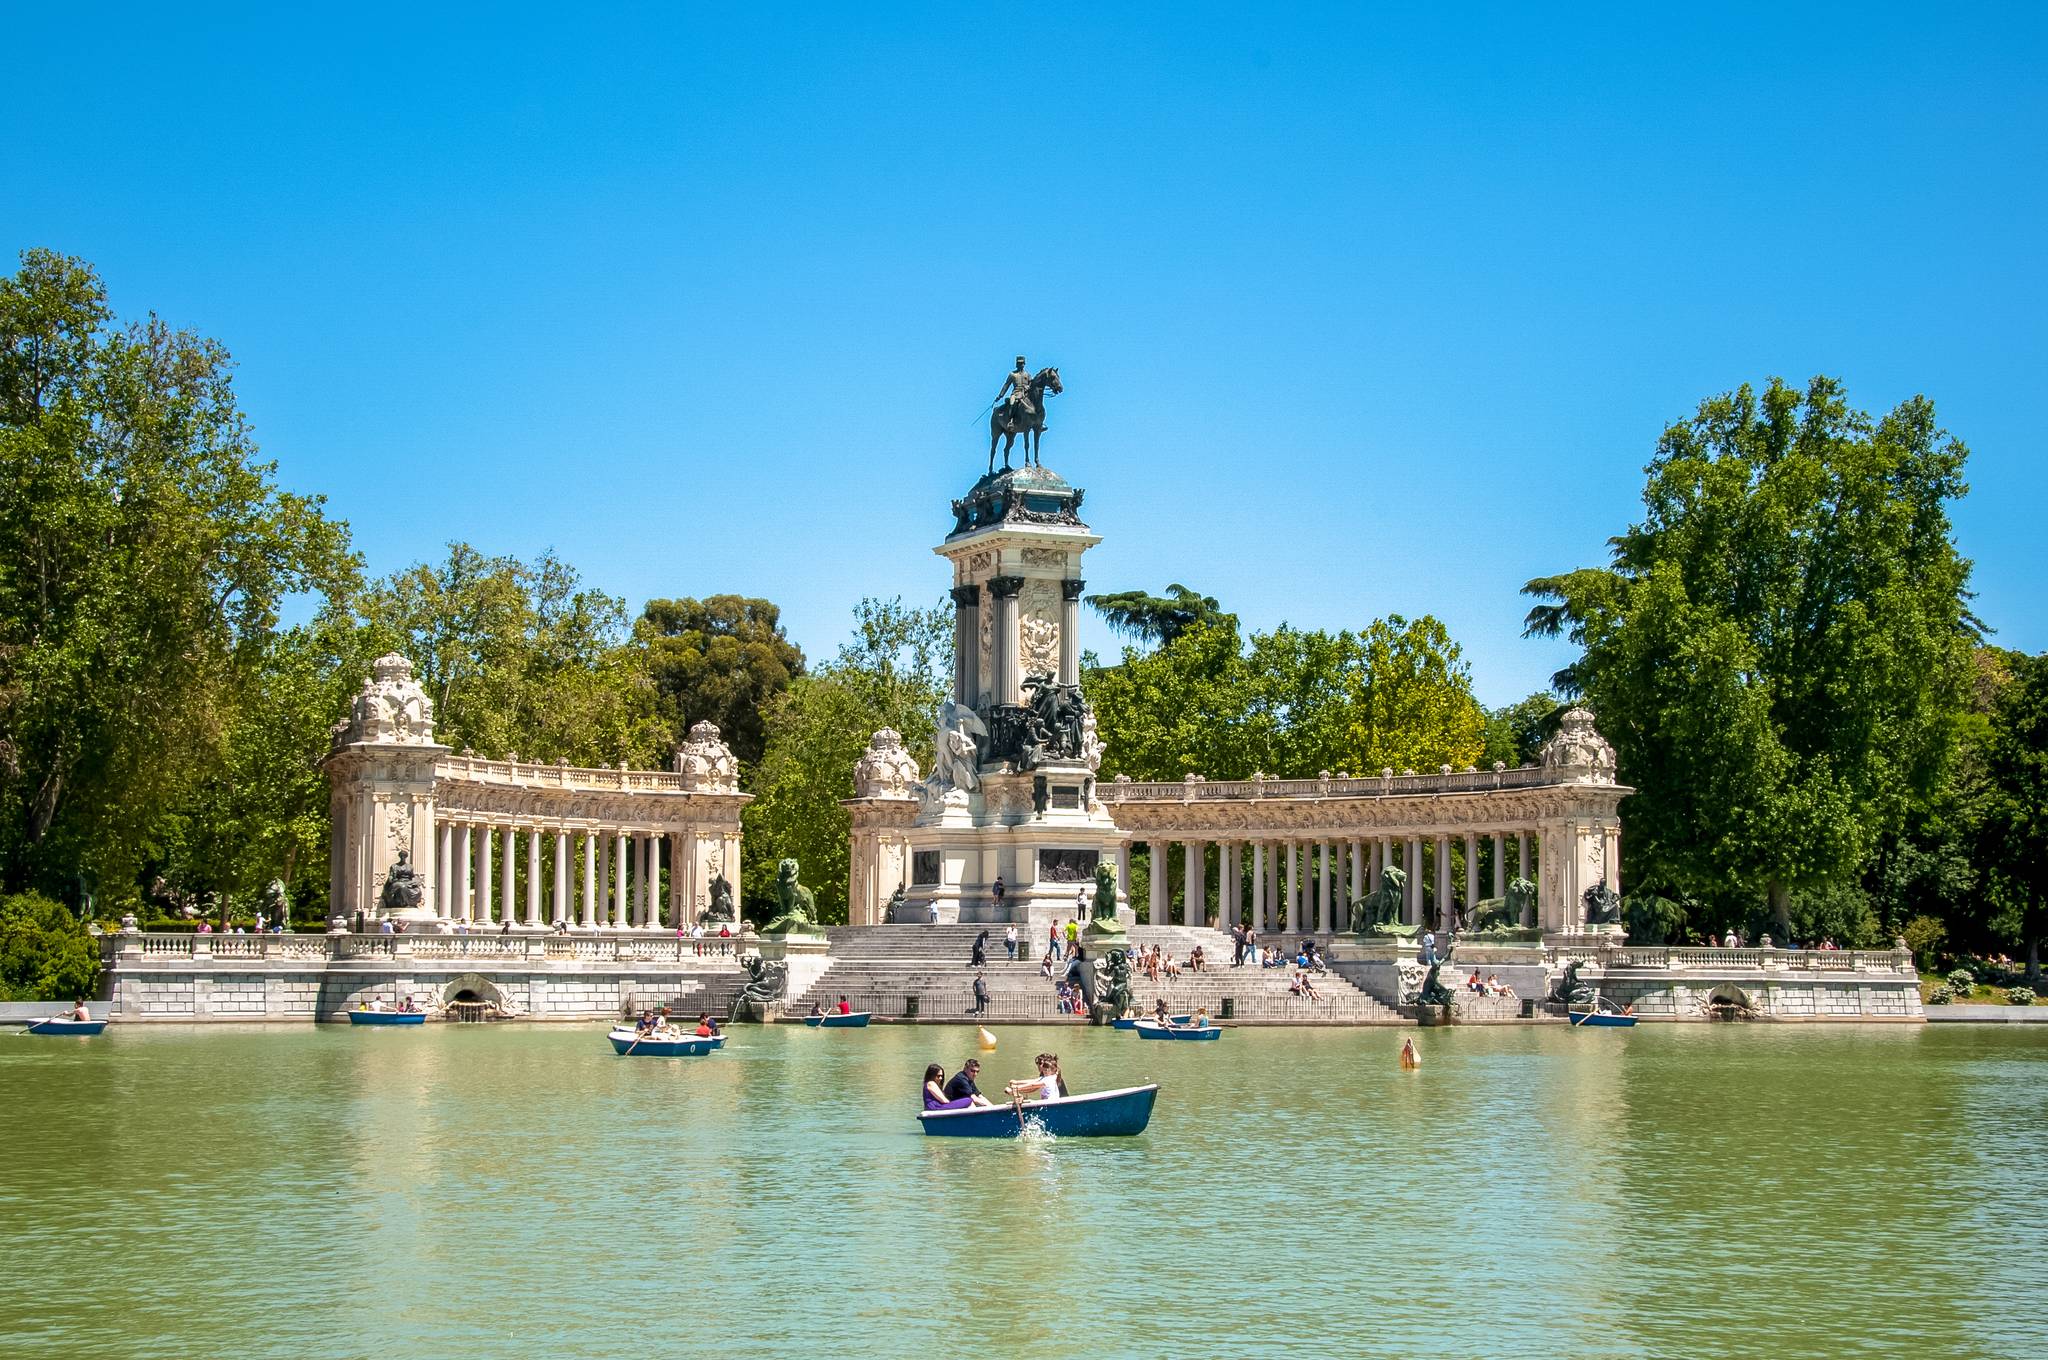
[[1070, 630], [967, 645], [1008, 684]]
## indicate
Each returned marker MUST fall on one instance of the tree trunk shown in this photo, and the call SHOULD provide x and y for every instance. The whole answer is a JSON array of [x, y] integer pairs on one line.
[[1781, 911], [2034, 961]]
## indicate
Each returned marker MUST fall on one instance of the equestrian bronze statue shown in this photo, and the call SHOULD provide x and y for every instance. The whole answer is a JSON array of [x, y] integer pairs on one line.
[[1020, 409]]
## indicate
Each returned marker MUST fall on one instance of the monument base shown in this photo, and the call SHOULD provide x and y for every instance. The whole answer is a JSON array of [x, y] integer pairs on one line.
[[1041, 832]]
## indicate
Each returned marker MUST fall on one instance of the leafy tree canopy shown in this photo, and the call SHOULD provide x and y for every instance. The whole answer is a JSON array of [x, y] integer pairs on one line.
[[892, 673], [144, 552], [723, 660], [46, 953], [1156, 620], [520, 658], [1289, 703], [2012, 841], [1779, 649]]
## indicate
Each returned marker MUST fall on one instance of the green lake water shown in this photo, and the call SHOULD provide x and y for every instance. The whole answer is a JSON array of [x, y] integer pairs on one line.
[[505, 1191]]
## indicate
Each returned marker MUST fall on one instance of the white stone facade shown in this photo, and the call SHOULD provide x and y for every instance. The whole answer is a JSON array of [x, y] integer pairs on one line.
[[492, 842]]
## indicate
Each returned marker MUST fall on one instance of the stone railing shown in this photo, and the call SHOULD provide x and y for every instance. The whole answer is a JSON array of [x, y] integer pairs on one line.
[[1751, 959], [625, 946], [1195, 790], [527, 774]]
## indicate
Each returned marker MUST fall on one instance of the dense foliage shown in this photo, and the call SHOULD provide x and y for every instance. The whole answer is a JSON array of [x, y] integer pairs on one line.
[[1780, 650], [1291, 703]]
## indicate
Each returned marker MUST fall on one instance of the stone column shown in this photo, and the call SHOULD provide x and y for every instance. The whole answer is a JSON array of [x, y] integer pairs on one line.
[[1259, 886], [1009, 684], [533, 877], [622, 877], [1289, 896], [1525, 868], [1070, 631], [1443, 882], [1411, 860], [561, 913], [1471, 874], [508, 876], [483, 876], [1191, 880], [967, 644], [650, 871], [601, 901], [463, 858], [1325, 909], [1500, 886], [1158, 874], [1381, 850], [1230, 891], [679, 916], [444, 874], [1610, 857], [1123, 871]]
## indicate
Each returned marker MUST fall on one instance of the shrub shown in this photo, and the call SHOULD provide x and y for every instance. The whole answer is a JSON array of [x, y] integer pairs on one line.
[[2020, 996], [46, 953], [1962, 980], [1939, 995], [1923, 935]]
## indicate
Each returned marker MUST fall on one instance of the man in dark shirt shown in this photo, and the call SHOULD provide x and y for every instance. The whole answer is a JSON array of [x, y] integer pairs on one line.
[[980, 995], [962, 1085]]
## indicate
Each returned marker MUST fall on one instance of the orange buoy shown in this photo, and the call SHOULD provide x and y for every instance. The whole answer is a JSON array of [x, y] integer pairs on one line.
[[987, 1040]]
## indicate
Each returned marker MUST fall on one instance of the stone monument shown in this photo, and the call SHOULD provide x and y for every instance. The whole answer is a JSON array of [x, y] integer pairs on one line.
[[380, 768], [1011, 791]]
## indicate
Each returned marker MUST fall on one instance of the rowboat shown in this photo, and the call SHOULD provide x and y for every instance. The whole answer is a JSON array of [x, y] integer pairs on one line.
[[60, 1025], [387, 1017], [835, 1020], [626, 1041], [1101, 1114], [1131, 1021], [1601, 1019], [1152, 1029]]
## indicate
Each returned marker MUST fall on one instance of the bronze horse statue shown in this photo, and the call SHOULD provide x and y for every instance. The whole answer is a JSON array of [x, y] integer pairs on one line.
[[1005, 424]]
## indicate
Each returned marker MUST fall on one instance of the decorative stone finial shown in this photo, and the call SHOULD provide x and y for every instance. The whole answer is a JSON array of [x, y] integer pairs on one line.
[[1577, 753], [707, 764], [390, 709], [885, 769]]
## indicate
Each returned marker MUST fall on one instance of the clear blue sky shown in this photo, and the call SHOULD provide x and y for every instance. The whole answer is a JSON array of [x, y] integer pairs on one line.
[[1360, 312]]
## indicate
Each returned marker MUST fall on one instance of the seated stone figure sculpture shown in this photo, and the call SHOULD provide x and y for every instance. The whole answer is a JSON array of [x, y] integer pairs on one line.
[[402, 888], [721, 908]]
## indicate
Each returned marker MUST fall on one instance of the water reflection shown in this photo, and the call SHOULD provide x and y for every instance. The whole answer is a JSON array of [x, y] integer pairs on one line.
[[1665, 1191]]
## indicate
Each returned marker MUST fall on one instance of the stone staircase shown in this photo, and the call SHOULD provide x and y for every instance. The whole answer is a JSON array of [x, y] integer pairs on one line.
[[922, 971]]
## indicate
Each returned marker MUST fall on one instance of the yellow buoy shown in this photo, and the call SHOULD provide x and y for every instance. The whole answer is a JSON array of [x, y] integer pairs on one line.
[[988, 1041]]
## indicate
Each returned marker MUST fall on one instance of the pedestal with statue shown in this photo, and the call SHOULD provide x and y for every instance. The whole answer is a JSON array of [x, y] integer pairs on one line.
[[1010, 795]]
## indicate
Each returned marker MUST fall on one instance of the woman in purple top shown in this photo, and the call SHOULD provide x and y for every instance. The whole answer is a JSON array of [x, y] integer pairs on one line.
[[935, 1091]]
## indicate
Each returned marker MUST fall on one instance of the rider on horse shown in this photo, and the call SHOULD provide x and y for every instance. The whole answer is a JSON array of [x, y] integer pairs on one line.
[[1017, 386]]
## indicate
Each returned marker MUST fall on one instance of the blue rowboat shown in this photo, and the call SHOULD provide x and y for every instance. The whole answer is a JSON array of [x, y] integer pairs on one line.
[[59, 1025], [1131, 1021], [625, 1042], [1152, 1029], [1102, 1114], [834, 1020], [1601, 1019], [387, 1017]]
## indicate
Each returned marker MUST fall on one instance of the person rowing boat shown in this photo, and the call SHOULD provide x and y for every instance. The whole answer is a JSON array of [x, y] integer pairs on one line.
[[1160, 1015], [1047, 1085]]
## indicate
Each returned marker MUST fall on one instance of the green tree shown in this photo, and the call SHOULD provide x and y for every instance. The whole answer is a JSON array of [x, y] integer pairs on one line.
[[1779, 649], [520, 658], [46, 953], [144, 551], [2012, 838], [721, 659], [1289, 703], [892, 673], [1159, 619], [1515, 734]]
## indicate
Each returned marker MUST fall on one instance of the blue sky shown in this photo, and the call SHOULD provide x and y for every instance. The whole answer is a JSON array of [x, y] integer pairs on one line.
[[1360, 311]]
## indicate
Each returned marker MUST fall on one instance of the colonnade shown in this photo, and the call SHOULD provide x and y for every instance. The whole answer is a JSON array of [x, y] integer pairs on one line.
[[599, 877], [1302, 885]]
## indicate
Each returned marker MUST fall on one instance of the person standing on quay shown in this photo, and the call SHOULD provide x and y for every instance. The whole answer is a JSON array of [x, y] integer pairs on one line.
[[1010, 941], [980, 995]]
